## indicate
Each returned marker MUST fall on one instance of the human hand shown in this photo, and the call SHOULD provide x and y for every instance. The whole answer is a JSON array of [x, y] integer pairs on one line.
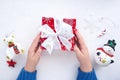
[[82, 53], [34, 53]]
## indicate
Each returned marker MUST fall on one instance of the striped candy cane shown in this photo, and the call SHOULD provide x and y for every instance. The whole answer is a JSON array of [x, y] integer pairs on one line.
[[102, 33]]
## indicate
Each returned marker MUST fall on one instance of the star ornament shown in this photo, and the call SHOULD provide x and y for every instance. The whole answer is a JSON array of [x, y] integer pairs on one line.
[[11, 63]]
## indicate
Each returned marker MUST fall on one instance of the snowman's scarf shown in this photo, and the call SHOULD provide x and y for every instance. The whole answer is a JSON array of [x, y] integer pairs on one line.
[[111, 55]]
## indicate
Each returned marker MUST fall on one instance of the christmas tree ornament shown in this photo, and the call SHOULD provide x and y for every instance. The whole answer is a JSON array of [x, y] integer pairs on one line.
[[105, 55], [11, 63], [57, 34], [13, 49]]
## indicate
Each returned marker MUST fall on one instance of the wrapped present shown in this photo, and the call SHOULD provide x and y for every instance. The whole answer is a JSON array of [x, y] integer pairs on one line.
[[57, 34]]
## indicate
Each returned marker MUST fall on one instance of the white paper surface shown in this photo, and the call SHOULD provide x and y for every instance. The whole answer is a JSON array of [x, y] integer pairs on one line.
[[23, 17]]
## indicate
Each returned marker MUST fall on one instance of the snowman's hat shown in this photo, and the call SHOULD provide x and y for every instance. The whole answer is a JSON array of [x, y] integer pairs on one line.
[[111, 43]]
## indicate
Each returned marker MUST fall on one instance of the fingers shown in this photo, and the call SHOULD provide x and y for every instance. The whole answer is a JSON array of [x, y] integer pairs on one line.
[[38, 52], [35, 42], [80, 40], [77, 51]]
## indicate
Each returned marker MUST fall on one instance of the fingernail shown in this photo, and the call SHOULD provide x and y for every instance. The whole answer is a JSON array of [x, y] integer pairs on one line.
[[40, 33], [42, 48], [75, 30]]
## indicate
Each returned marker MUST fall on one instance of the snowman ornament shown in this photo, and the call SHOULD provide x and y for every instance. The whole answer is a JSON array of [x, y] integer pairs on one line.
[[105, 55], [13, 49]]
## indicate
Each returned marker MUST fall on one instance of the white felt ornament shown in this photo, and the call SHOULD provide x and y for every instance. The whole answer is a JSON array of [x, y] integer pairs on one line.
[[105, 55]]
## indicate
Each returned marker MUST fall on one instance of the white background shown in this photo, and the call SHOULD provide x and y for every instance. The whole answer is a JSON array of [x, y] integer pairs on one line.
[[23, 17]]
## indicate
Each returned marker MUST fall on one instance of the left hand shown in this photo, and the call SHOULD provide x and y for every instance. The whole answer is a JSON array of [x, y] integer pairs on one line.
[[34, 53]]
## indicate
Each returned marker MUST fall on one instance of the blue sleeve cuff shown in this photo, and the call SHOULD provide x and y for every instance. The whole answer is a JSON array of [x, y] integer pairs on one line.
[[25, 75], [86, 75]]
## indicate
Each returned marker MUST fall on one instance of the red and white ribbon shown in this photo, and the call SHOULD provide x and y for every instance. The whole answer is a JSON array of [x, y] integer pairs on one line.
[[63, 32]]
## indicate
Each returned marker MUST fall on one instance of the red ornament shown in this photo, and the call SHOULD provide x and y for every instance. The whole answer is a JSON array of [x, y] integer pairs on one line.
[[11, 63], [16, 49], [11, 45]]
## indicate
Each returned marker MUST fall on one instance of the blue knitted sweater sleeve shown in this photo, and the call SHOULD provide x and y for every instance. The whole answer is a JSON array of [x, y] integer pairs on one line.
[[25, 75], [86, 75]]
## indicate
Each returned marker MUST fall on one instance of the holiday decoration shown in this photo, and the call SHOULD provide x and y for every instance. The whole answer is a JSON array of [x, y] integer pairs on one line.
[[56, 34], [13, 49], [105, 55], [102, 33], [11, 63], [97, 26]]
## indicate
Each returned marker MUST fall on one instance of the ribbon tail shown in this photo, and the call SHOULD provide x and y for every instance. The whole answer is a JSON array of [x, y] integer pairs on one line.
[[65, 42], [48, 44], [56, 43]]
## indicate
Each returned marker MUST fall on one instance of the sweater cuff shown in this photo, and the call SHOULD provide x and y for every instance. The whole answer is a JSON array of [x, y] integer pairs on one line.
[[86, 75], [27, 75]]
